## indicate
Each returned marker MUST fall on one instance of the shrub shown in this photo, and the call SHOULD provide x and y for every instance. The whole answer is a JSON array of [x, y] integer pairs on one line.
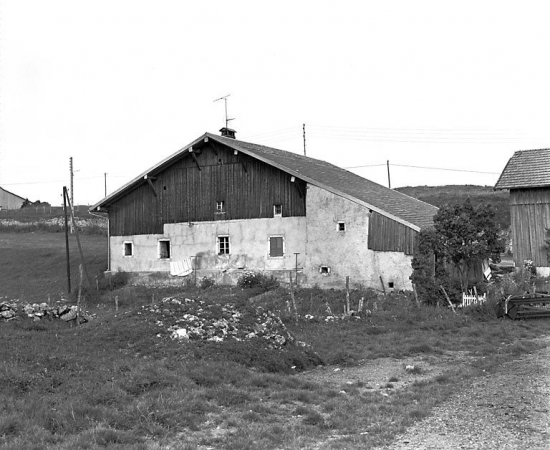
[[258, 280], [207, 282]]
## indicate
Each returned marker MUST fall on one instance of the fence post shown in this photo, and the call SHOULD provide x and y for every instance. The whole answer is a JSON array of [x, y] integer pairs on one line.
[[346, 306]]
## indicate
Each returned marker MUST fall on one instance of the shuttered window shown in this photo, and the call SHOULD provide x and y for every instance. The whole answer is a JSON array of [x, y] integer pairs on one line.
[[276, 246]]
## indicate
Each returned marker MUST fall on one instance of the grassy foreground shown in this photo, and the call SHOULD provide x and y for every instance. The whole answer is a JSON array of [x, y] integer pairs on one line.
[[120, 382]]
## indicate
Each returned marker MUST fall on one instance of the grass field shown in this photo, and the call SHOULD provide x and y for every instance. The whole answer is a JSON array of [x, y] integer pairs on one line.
[[34, 265], [120, 382]]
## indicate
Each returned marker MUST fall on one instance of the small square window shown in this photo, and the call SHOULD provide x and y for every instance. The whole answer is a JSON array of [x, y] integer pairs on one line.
[[128, 249], [324, 270], [223, 245], [220, 206], [277, 210], [341, 226], [276, 246], [164, 249]]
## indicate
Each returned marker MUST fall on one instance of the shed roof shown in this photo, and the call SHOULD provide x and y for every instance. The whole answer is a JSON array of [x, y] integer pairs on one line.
[[393, 204], [526, 169]]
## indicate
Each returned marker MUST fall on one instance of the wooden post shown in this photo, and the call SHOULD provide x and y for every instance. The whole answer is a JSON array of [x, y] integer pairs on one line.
[[346, 306], [448, 299], [383, 287], [416, 295], [360, 306], [67, 240], [80, 270], [116, 302], [292, 297], [78, 242]]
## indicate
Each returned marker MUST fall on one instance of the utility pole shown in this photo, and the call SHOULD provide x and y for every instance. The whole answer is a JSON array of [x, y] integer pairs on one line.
[[105, 184], [72, 177], [304, 128], [389, 180]]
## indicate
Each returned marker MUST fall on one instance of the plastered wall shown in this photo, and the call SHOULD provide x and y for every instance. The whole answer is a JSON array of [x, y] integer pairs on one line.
[[345, 253], [249, 246], [316, 238]]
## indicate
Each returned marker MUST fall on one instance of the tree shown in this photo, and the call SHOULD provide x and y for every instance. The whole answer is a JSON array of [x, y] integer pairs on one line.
[[463, 236], [467, 235]]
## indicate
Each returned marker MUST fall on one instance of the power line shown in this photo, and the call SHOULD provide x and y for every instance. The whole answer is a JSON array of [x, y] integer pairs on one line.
[[424, 167]]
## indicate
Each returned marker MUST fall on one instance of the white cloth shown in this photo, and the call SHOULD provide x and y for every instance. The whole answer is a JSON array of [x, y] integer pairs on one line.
[[181, 268]]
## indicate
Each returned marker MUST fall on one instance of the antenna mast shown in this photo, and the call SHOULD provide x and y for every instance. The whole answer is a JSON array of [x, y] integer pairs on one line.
[[304, 128], [227, 119]]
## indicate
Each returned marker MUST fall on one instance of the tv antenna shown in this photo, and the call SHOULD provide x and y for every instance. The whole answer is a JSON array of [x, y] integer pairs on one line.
[[227, 119]]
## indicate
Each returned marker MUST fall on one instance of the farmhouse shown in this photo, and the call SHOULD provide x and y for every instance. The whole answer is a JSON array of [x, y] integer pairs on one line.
[[527, 175], [220, 206], [8, 200]]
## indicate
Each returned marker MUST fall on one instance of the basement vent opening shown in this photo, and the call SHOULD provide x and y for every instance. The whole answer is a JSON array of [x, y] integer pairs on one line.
[[325, 270], [390, 284], [128, 249]]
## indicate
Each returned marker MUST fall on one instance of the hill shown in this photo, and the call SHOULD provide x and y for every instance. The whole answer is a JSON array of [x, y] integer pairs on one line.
[[443, 195]]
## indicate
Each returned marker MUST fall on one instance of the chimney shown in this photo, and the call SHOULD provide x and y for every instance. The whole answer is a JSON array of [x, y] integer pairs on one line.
[[228, 132]]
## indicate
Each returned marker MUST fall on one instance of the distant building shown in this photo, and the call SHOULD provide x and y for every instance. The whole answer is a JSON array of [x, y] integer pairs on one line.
[[220, 207], [527, 176], [9, 200]]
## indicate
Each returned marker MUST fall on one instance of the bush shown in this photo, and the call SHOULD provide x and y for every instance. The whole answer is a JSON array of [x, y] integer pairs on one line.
[[258, 280], [207, 282]]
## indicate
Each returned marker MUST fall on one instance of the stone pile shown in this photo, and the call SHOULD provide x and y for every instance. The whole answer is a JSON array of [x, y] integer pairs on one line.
[[187, 319], [39, 311]]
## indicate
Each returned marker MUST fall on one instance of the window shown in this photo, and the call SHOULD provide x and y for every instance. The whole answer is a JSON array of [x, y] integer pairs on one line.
[[223, 245], [341, 226], [277, 210], [164, 249], [128, 249], [276, 246], [324, 270], [220, 206]]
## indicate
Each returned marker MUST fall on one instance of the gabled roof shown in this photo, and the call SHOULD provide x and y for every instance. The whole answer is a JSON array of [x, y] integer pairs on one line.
[[526, 169], [392, 204]]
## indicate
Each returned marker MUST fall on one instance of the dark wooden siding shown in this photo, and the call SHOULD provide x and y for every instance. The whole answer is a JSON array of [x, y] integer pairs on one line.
[[249, 188], [530, 217], [390, 236]]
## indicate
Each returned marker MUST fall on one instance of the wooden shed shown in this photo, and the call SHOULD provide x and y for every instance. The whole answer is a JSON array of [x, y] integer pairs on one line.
[[220, 206], [527, 176], [9, 200]]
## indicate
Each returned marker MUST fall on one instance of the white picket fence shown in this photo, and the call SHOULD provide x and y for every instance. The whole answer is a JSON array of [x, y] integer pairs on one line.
[[471, 299]]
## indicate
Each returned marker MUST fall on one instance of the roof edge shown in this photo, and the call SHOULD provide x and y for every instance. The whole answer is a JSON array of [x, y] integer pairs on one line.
[[142, 176], [320, 185]]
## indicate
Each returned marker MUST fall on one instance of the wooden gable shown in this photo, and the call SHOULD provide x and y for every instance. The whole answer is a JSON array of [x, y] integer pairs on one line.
[[209, 183]]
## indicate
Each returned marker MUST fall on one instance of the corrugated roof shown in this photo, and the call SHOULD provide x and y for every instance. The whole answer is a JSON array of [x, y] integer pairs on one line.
[[393, 204], [526, 169]]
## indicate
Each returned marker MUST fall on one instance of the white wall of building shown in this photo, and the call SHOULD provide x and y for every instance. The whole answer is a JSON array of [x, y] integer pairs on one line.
[[316, 238], [249, 246], [346, 253]]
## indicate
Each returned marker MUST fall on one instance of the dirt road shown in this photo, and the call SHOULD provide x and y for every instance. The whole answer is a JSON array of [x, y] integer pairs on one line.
[[506, 410]]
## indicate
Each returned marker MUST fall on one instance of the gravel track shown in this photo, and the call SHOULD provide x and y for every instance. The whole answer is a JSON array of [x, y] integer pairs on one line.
[[508, 409]]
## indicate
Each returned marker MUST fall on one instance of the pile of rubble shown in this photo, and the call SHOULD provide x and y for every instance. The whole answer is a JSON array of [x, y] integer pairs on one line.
[[186, 319], [39, 311]]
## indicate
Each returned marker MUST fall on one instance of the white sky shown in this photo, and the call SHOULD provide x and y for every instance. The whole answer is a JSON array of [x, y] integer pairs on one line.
[[120, 85]]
